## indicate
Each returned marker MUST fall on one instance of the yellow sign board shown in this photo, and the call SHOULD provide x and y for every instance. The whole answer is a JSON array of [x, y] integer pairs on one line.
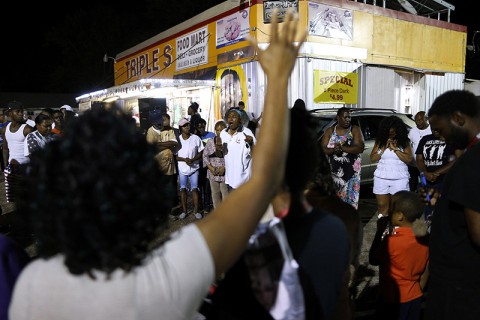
[[335, 87]]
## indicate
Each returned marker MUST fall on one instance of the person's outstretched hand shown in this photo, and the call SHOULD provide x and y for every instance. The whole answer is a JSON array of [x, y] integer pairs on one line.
[[279, 57]]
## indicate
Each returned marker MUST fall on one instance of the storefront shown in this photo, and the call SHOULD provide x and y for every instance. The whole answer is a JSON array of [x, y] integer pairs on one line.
[[139, 97], [356, 54]]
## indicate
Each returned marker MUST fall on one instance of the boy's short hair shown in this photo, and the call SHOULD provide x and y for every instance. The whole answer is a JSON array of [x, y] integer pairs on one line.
[[200, 121], [409, 203]]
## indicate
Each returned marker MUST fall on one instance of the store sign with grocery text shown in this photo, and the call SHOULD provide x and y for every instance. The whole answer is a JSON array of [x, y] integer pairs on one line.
[[192, 49], [335, 87]]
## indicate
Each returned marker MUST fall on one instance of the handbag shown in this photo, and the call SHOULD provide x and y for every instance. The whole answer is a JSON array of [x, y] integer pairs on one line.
[[274, 272]]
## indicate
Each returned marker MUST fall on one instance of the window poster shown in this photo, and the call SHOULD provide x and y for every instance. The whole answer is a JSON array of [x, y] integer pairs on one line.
[[330, 22]]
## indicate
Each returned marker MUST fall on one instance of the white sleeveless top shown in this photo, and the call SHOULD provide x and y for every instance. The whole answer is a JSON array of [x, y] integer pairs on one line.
[[391, 167], [15, 142]]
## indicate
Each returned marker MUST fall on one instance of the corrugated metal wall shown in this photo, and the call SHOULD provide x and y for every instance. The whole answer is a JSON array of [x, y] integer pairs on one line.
[[255, 86], [301, 81], [379, 87], [436, 85]]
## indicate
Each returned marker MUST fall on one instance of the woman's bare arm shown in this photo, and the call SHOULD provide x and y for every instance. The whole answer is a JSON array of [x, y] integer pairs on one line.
[[228, 228], [375, 155], [406, 155], [358, 145], [325, 139]]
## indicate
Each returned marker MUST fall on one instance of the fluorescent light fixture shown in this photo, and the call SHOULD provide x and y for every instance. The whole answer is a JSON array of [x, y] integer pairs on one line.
[[111, 99], [142, 88]]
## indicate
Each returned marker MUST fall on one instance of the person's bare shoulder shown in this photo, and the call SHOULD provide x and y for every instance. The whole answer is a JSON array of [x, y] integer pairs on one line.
[[27, 129]]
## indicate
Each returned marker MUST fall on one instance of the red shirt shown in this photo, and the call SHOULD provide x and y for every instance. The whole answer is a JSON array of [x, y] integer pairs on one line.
[[401, 264], [56, 131]]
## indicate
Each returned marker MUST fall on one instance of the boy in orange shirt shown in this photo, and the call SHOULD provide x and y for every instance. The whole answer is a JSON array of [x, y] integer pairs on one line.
[[402, 257]]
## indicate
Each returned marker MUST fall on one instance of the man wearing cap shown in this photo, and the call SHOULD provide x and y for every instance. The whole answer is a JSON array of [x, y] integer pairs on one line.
[[68, 113], [13, 147], [238, 142], [66, 107]]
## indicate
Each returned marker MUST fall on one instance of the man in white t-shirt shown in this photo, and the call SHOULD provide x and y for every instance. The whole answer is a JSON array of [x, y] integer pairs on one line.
[[238, 142], [188, 157], [415, 135]]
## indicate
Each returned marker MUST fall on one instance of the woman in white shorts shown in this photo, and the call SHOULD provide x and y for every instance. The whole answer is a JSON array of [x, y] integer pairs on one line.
[[393, 152]]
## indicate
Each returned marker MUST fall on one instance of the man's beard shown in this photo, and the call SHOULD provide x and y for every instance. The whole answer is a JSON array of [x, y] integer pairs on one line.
[[459, 138]]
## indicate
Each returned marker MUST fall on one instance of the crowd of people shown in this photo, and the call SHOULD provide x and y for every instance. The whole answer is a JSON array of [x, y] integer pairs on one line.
[[21, 139], [96, 193]]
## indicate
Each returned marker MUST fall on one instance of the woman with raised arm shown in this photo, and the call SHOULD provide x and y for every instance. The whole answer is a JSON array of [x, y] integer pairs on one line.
[[96, 213]]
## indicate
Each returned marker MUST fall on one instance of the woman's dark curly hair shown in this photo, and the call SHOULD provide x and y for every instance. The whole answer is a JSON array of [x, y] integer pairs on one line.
[[306, 161], [400, 129], [96, 195]]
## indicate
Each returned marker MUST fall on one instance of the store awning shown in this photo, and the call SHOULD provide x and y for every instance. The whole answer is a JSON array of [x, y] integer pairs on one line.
[[143, 88]]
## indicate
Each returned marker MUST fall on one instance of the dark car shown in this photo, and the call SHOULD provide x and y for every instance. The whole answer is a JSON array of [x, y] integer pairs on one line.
[[368, 120]]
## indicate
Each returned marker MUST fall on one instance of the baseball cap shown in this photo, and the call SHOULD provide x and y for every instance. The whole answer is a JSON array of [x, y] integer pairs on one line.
[[183, 122], [66, 107], [12, 105]]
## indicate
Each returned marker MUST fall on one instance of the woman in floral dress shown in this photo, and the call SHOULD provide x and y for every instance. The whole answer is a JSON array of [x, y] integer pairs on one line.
[[343, 144]]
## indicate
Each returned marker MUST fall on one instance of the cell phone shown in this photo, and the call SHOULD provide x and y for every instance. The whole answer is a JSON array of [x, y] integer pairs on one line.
[[423, 181]]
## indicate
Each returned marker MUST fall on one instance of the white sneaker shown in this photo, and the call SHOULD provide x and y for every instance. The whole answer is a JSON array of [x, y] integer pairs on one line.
[[198, 215], [182, 215]]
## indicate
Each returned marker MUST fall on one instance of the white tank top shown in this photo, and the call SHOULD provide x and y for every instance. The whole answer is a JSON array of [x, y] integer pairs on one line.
[[15, 142], [391, 167]]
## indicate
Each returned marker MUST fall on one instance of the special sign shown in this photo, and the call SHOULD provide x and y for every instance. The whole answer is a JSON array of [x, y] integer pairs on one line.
[[335, 87], [192, 49]]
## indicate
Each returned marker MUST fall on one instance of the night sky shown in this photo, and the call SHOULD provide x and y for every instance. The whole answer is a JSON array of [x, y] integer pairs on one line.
[[40, 55]]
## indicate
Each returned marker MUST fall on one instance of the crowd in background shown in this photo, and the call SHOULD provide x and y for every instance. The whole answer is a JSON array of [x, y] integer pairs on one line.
[[95, 242]]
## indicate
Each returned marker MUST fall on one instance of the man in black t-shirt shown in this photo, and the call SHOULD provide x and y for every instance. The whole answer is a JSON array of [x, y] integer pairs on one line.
[[434, 158], [454, 283]]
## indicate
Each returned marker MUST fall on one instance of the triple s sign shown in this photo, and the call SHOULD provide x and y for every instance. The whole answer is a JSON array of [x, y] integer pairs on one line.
[[191, 50]]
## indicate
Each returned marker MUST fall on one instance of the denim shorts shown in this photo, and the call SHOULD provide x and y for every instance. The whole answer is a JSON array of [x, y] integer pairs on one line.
[[184, 181]]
